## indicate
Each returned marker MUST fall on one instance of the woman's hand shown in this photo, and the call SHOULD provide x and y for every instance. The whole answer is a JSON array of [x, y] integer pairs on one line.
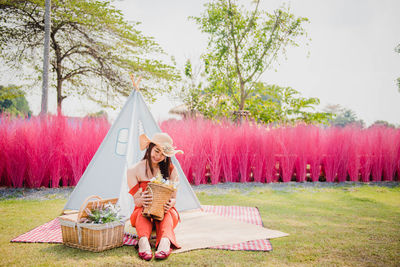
[[142, 199], [147, 198], [169, 204]]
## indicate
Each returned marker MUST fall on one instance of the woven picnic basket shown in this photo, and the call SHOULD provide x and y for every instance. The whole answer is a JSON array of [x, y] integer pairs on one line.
[[88, 236], [161, 194]]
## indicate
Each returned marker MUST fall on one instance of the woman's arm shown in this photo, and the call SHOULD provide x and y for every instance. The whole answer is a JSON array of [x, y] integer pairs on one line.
[[140, 198], [131, 175]]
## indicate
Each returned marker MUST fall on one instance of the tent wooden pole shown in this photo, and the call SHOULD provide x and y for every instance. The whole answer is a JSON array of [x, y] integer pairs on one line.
[[135, 83]]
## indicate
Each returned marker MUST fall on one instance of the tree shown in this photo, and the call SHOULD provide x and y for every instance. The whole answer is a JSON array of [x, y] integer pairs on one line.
[[191, 90], [273, 103], [198, 97], [342, 116], [99, 114], [268, 104], [242, 45], [92, 48], [382, 123], [13, 101]]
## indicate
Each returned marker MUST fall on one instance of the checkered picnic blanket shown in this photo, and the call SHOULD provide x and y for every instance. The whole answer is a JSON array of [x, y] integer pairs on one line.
[[51, 232]]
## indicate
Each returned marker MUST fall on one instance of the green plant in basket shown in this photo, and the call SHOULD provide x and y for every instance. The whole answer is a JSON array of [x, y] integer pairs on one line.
[[103, 214]]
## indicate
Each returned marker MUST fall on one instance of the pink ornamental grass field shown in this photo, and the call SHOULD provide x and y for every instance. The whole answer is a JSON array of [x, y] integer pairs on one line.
[[55, 151], [51, 152], [225, 152]]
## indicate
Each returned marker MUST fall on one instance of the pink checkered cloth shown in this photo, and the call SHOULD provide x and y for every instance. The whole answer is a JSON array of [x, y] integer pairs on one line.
[[51, 232], [47, 233]]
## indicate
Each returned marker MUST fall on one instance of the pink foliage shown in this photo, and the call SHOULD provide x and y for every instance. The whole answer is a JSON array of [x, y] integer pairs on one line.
[[354, 147], [56, 142], [377, 136], [55, 151], [200, 138], [301, 133], [181, 133], [214, 158], [314, 152], [39, 151], [244, 151], [15, 153], [249, 152], [390, 147], [270, 149], [286, 140], [228, 153], [4, 120], [398, 154], [366, 148], [258, 156], [344, 139], [331, 152]]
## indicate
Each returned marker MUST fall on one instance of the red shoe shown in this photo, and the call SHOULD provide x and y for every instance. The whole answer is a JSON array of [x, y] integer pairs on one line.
[[162, 254], [145, 255]]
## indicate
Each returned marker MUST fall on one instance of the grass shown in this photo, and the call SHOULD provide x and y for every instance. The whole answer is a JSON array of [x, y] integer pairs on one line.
[[341, 226]]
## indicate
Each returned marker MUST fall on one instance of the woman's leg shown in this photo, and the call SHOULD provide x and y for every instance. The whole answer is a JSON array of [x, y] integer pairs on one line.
[[144, 245], [165, 233], [143, 228], [164, 245]]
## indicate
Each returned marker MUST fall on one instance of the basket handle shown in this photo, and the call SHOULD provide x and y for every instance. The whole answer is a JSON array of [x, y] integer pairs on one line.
[[82, 209]]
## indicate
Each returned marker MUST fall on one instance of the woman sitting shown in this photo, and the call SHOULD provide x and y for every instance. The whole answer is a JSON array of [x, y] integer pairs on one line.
[[157, 159]]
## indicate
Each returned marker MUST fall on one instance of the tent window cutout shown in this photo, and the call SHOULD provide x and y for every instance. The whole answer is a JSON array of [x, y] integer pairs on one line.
[[122, 142]]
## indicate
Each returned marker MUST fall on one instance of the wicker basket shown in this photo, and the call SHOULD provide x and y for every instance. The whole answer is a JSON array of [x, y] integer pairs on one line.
[[161, 194], [92, 237]]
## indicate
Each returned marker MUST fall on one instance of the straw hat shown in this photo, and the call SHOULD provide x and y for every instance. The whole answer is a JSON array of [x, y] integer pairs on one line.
[[163, 140]]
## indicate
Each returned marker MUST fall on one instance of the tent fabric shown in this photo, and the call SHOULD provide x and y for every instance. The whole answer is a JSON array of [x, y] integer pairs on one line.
[[105, 175]]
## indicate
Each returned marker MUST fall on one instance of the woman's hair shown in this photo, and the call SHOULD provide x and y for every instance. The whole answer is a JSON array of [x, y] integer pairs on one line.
[[163, 165]]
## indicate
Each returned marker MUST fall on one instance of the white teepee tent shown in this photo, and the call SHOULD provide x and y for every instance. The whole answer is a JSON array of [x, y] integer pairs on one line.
[[105, 175]]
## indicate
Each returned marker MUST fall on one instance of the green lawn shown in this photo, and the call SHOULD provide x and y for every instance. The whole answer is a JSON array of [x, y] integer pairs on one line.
[[341, 226]]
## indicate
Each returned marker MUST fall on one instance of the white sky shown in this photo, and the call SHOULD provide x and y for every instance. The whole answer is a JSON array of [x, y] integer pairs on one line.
[[352, 60]]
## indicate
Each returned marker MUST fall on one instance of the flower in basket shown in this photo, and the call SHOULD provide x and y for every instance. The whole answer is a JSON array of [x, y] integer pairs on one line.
[[103, 214]]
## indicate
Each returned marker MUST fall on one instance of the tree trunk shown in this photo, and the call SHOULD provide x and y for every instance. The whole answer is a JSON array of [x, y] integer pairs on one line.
[[60, 79], [242, 114], [60, 98], [46, 56], [242, 95]]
